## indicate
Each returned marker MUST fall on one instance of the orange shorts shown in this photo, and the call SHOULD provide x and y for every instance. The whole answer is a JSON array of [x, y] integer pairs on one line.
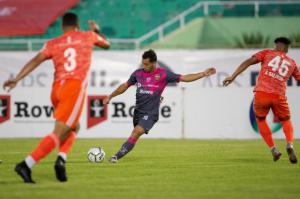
[[263, 102], [67, 97]]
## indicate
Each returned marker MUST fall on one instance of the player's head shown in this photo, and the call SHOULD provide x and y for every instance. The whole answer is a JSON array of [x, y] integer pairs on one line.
[[282, 44], [149, 60], [70, 21]]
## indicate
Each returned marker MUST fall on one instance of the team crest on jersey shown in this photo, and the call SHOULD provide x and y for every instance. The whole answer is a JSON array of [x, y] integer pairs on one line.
[[4, 108], [157, 77], [97, 111]]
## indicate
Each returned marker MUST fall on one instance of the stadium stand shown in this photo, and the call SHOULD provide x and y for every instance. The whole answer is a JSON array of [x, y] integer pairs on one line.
[[30, 17], [134, 18], [230, 33]]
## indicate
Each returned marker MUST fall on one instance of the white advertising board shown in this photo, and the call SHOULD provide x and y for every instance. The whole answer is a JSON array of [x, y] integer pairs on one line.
[[29, 114], [225, 113], [203, 109]]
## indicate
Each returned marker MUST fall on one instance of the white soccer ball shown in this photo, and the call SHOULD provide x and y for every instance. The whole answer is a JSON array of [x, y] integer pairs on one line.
[[96, 154]]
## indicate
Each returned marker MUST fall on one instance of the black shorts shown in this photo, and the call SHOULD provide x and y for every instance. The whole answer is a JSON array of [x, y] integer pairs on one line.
[[144, 120]]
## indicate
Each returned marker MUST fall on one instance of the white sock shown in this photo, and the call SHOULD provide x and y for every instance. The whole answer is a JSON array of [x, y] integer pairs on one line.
[[63, 155], [30, 162], [289, 145]]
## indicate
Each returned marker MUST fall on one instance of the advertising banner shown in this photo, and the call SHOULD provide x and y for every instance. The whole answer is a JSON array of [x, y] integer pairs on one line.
[[201, 109], [29, 113]]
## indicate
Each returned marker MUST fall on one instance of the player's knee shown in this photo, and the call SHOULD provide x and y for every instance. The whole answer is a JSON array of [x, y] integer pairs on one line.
[[61, 130], [77, 128], [138, 131], [282, 119], [260, 118]]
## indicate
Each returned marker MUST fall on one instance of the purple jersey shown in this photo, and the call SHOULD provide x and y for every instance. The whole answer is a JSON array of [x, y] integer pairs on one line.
[[150, 87]]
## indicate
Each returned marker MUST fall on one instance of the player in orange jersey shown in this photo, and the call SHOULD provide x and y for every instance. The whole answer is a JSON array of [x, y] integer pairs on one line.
[[71, 55], [276, 68]]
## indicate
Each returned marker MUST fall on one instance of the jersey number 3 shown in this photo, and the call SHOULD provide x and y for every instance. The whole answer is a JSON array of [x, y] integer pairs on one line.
[[282, 69], [70, 64]]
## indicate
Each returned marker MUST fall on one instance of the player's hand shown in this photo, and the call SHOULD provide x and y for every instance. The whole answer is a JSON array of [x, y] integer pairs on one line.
[[93, 25], [228, 81], [210, 71], [10, 84], [106, 100]]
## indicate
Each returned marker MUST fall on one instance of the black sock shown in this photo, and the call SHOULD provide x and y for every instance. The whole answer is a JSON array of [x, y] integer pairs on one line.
[[126, 148]]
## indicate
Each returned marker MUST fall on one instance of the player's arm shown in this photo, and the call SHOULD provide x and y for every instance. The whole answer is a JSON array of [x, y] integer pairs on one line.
[[121, 89], [196, 76], [103, 42], [243, 66], [27, 68], [296, 74]]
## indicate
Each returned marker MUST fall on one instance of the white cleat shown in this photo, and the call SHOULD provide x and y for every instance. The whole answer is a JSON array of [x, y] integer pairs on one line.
[[113, 159]]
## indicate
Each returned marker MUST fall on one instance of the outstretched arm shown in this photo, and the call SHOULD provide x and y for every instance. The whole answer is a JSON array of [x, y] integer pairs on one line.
[[27, 68], [102, 43], [243, 66], [196, 76], [121, 89]]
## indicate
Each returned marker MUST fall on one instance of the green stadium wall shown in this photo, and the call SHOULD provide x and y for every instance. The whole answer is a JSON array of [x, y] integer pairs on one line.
[[230, 33]]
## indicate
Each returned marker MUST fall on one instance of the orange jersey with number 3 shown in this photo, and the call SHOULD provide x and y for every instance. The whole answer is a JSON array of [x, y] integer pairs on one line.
[[276, 68], [71, 53]]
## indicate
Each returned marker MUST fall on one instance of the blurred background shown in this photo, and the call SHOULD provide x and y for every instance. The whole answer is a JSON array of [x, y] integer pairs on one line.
[[188, 35], [135, 24]]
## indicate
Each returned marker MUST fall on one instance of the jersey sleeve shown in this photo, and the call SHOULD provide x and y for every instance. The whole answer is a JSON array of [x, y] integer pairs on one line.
[[260, 55], [97, 39], [172, 77], [132, 80], [46, 50], [296, 73]]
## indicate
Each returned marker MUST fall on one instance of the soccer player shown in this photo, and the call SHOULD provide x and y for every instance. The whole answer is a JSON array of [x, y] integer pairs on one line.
[[71, 54], [276, 68], [151, 81]]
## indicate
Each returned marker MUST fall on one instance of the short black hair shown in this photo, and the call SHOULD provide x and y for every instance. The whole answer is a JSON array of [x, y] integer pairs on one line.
[[151, 55], [283, 40], [70, 19]]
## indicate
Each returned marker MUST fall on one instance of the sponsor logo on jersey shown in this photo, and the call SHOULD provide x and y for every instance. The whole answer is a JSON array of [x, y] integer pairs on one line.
[[157, 77], [146, 92]]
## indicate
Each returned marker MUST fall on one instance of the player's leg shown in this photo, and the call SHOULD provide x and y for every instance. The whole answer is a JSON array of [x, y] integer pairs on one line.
[[129, 144], [68, 111], [67, 99], [45, 146], [66, 145], [282, 110], [262, 105], [142, 124], [64, 148]]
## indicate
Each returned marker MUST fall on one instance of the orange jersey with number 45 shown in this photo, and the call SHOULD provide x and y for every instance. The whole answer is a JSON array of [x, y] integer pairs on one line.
[[71, 53], [276, 68]]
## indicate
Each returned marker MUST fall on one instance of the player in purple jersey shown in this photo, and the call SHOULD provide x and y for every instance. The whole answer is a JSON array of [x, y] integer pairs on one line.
[[151, 82]]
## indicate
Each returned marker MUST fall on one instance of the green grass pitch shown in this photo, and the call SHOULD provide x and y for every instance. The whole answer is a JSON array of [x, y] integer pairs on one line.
[[157, 168]]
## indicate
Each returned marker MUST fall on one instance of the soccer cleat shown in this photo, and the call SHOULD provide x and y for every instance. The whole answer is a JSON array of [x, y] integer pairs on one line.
[[23, 171], [60, 169], [113, 159], [292, 155], [276, 154]]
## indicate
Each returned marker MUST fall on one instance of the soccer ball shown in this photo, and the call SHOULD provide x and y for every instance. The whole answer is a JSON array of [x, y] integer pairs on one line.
[[96, 154]]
